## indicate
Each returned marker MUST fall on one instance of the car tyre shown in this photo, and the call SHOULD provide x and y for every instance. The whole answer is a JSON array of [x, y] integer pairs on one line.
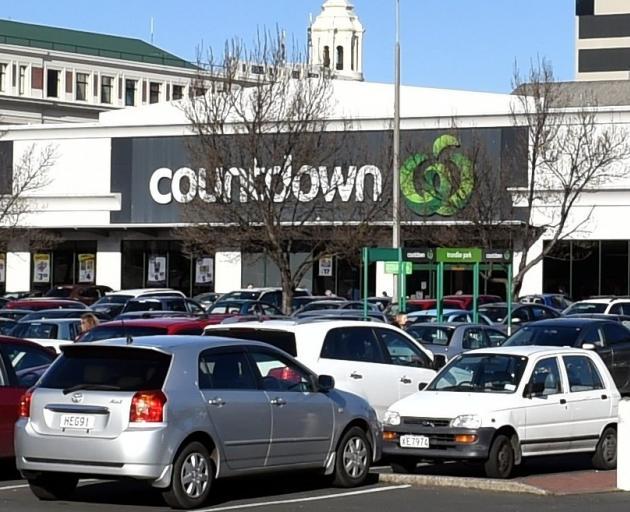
[[352, 460], [193, 476], [605, 456], [53, 486], [500, 462], [404, 466]]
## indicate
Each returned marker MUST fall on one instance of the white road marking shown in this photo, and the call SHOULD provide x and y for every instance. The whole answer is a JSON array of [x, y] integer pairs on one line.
[[302, 500]]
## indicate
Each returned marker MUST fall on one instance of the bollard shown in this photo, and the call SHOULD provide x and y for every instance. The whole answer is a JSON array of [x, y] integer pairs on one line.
[[623, 446]]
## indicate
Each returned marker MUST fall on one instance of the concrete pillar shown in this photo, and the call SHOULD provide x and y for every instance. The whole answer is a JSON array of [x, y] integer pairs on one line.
[[623, 446], [18, 271], [227, 271], [109, 263], [384, 282]]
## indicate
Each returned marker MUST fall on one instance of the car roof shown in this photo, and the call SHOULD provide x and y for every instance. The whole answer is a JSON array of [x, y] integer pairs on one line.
[[299, 324], [529, 350], [569, 321], [50, 321], [428, 312], [153, 322]]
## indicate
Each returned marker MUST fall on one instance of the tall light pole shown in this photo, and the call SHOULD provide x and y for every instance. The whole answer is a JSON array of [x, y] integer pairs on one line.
[[396, 159]]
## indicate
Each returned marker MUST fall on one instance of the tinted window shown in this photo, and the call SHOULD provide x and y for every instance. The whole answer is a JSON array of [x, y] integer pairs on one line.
[[593, 335], [223, 308], [620, 308], [496, 337], [175, 305], [401, 351], [60, 293], [105, 332], [542, 313], [23, 357], [496, 314], [113, 299], [582, 374], [35, 330], [546, 336], [351, 344], [225, 371], [615, 333], [280, 339], [279, 374], [547, 374], [579, 308], [145, 305], [473, 339], [194, 307], [114, 368], [430, 335]]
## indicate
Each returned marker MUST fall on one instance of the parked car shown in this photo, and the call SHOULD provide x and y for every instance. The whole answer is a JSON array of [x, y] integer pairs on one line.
[[113, 303], [37, 303], [155, 314], [6, 326], [21, 364], [320, 305], [159, 303], [207, 299], [610, 340], [522, 314], [622, 319], [144, 327], [303, 300], [466, 301], [341, 314], [450, 339], [14, 314], [268, 295], [51, 333], [225, 308], [414, 305], [4, 301], [44, 314], [499, 405], [376, 361], [179, 416], [448, 315], [556, 301], [610, 305], [86, 293]]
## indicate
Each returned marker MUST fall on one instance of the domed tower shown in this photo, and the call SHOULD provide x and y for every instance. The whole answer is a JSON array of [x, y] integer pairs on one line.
[[336, 40]]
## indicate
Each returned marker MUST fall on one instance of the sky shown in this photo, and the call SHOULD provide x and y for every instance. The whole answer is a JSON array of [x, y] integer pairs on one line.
[[454, 44]]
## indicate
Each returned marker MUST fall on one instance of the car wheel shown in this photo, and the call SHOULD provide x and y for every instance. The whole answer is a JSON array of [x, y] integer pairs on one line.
[[53, 486], [605, 456], [404, 466], [352, 460], [500, 461], [193, 475]]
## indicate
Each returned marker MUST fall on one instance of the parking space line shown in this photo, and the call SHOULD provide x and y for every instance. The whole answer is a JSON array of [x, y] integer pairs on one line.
[[303, 500]]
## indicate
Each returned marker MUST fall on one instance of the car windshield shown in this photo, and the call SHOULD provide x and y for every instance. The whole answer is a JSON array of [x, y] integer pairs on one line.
[[113, 299], [431, 335], [105, 332], [481, 373], [579, 308], [494, 313], [543, 335]]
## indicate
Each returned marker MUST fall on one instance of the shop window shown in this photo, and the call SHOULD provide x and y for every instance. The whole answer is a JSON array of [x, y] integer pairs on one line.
[[614, 276], [107, 84], [557, 269], [52, 83], [154, 92], [81, 86], [130, 92], [585, 271], [178, 92]]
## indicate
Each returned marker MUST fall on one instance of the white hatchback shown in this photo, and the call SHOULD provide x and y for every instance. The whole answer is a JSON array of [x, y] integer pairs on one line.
[[496, 406], [374, 360]]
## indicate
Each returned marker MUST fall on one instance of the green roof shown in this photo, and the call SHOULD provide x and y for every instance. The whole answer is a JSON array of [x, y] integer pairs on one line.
[[86, 43]]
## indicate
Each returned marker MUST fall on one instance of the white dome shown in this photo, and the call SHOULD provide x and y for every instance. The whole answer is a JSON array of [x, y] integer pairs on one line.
[[337, 14]]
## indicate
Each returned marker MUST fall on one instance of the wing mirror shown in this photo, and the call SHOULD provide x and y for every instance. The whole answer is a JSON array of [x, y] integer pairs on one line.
[[325, 383], [439, 361], [592, 346], [534, 389], [422, 385]]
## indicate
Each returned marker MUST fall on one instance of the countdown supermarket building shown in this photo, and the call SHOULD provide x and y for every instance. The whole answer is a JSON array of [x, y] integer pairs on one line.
[[114, 195]]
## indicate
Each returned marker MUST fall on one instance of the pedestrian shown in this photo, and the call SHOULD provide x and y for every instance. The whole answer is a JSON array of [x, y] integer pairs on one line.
[[401, 319], [88, 320], [384, 294]]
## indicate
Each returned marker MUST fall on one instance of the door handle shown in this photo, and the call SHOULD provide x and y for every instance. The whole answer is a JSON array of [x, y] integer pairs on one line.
[[219, 402], [278, 401], [563, 401], [405, 380], [356, 376], [604, 397]]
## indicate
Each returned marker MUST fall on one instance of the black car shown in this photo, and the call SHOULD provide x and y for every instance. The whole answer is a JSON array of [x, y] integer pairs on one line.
[[522, 314], [609, 339]]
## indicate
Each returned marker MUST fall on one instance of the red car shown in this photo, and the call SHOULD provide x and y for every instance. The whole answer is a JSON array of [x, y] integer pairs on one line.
[[145, 327], [21, 365], [35, 304], [466, 301], [424, 304]]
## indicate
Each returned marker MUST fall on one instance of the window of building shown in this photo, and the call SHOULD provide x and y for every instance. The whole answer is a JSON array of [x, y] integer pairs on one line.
[[130, 92], [3, 77], [22, 80], [107, 84], [82, 86], [178, 92], [353, 53], [339, 58], [154, 92], [52, 83], [326, 56]]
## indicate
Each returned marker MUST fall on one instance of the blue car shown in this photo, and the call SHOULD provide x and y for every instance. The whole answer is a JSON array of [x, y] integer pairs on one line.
[[556, 301]]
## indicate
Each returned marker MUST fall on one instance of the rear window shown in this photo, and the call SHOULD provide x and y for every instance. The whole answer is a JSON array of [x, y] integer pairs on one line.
[[106, 332], [280, 339], [579, 308], [108, 368], [145, 305], [35, 330], [430, 335], [113, 299]]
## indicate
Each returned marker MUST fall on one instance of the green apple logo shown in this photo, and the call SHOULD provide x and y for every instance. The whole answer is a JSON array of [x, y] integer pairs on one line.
[[437, 195]]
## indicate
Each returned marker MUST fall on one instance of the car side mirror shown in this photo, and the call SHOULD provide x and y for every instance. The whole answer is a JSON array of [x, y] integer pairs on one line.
[[422, 386], [325, 383], [516, 320], [534, 389], [439, 361], [588, 346]]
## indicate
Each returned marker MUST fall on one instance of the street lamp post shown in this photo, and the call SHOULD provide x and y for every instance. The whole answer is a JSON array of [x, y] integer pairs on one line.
[[396, 157]]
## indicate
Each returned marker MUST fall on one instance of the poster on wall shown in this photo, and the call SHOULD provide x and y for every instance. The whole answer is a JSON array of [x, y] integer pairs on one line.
[[156, 269], [204, 271], [41, 268], [3, 268], [87, 267], [325, 267]]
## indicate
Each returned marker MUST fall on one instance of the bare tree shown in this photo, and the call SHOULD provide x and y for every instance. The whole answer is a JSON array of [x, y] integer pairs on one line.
[[277, 176], [572, 150]]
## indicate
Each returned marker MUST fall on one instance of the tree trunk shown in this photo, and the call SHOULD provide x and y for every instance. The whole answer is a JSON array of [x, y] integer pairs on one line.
[[287, 290]]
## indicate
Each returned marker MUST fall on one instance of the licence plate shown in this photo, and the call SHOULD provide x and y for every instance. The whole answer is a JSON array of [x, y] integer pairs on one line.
[[414, 442], [79, 421]]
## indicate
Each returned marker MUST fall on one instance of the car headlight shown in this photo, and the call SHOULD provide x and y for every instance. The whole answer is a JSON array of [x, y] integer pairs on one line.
[[466, 421], [391, 418]]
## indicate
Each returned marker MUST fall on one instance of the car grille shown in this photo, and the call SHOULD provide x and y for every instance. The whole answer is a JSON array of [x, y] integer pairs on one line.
[[426, 422]]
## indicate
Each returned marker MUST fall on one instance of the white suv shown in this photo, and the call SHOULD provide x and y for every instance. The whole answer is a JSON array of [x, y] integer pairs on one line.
[[609, 306], [376, 361], [496, 406]]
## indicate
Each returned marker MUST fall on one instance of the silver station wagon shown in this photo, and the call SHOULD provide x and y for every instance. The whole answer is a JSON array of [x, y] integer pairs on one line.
[[182, 411]]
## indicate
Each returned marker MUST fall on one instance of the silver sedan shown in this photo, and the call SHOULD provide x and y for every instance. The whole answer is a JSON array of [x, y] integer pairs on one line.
[[182, 411]]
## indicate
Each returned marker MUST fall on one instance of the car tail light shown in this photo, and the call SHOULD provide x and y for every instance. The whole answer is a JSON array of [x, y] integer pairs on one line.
[[25, 404], [286, 374], [147, 407]]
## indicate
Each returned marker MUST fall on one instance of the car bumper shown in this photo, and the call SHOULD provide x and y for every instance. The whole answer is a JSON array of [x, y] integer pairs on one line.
[[444, 443], [140, 454]]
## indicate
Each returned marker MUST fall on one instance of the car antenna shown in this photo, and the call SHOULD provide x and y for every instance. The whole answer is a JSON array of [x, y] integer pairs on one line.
[[128, 335]]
